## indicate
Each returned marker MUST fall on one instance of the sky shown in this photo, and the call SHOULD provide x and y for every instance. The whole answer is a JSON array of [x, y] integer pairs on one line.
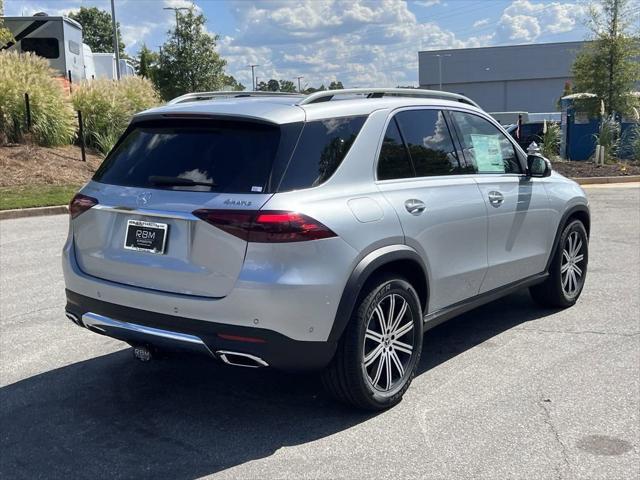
[[359, 42]]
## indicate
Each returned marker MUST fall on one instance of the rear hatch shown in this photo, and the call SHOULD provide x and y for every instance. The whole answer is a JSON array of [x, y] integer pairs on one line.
[[142, 232]]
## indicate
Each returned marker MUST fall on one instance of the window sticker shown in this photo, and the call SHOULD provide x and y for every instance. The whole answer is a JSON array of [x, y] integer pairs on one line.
[[256, 189], [487, 153]]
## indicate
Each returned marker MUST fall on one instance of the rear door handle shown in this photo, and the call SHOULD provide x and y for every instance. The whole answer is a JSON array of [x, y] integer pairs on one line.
[[496, 198], [414, 206]]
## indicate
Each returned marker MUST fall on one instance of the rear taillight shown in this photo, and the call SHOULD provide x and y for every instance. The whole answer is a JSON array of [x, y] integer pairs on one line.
[[266, 226], [80, 204]]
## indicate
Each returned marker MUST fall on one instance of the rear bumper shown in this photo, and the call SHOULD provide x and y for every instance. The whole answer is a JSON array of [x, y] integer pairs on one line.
[[149, 328]]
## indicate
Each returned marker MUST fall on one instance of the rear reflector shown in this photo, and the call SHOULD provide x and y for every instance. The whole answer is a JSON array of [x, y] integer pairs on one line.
[[266, 226], [239, 338], [80, 204]]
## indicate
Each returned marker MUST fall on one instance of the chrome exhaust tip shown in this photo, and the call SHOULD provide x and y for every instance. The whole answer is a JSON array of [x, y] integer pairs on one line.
[[238, 359], [73, 318]]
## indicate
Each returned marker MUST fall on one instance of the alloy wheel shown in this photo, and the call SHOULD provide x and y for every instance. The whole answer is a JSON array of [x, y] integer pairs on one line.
[[572, 264], [389, 343]]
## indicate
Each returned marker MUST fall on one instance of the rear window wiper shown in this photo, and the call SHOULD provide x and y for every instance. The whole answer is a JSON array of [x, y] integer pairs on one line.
[[178, 181]]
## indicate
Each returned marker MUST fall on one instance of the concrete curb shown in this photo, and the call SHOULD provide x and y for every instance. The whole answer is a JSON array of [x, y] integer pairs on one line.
[[62, 209], [600, 180], [33, 212]]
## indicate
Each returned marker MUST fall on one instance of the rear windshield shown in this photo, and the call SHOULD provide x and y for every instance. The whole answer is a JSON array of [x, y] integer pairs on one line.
[[229, 156]]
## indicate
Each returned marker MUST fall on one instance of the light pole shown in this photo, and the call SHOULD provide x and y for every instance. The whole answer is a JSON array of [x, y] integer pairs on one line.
[[116, 48], [440, 55], [299, 78], [253, 75]]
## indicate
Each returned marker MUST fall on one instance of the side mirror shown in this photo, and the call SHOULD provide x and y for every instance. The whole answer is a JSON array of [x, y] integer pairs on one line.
[[538, 166]]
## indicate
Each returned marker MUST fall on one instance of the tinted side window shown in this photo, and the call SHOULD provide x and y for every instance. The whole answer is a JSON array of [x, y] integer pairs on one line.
[[43, 47], [322, 146], [394, 159], [485, 146], [429, 142]]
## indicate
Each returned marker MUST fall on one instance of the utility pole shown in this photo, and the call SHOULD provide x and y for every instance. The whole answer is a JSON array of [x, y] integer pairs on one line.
[[253, 75], [116, 47], [613, 45], [176, 10], [299, 78]]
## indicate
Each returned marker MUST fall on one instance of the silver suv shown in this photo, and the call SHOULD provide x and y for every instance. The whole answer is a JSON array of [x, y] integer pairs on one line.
[[326, 231]]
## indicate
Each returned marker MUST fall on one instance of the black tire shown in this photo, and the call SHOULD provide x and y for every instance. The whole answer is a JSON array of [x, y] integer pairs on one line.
[[551, 293], [346, 378]]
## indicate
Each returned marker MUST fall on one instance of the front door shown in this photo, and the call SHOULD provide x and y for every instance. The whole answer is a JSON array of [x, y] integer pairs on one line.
[[519, 235]]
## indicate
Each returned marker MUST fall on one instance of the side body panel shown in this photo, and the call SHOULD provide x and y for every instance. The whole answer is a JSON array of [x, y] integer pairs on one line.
[[451, 233], [520, 228]]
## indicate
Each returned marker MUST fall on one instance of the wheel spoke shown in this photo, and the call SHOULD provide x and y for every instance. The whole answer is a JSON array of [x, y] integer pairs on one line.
[[371, 335], [565, 267], [403, 330], [397, 363], [388, 371], [570, 244], [400, 316], [578, 258], [381, 319], [376, 379], [565, 280], [373, 354], [572, 281], [402, 347], [577, 270], [392, 307], [578, 246]]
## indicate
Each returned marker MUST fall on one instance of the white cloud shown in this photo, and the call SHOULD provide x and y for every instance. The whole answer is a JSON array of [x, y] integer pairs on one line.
[[481, 23], [359, 42], [525, 20], [427, 3]]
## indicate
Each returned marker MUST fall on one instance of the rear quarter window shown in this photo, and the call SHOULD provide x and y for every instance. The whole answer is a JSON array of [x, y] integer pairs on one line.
[[321, 148]]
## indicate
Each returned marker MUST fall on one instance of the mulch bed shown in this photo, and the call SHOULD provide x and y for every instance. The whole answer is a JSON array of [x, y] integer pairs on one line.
[[34, 165], [586, 169]]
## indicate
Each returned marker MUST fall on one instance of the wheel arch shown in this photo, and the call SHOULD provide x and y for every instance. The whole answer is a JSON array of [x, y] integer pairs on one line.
[[400, 259], [577, 212]]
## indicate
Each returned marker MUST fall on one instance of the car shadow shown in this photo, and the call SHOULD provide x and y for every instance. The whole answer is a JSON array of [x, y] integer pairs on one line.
[[189, 417]]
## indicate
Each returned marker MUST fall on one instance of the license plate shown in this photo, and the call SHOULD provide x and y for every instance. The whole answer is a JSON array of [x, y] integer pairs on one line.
[[146, 236]]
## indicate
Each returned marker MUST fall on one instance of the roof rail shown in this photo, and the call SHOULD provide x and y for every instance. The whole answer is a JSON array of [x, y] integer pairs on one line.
[[198, 96], [327, 95]]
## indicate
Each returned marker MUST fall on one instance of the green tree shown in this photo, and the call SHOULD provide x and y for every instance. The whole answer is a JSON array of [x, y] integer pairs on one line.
[[261, 87], [188, 61], [608, 66], [97, 30], [146, 62], [230, 83], [287, 86], [336, 86], [5, 35], [273, 85]]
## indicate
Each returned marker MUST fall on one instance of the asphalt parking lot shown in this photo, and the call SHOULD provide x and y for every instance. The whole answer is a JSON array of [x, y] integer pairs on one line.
[[506, 391]]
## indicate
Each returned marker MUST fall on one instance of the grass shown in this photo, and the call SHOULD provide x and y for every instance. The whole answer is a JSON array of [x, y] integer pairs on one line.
[[36, 196]]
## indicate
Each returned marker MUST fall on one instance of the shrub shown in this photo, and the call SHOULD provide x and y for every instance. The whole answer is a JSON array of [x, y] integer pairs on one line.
[[52, 118], [551, 140], [107, 107]]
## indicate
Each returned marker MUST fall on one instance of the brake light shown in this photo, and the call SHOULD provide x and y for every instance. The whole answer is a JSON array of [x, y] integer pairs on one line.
[[266, 226], [80, 204]]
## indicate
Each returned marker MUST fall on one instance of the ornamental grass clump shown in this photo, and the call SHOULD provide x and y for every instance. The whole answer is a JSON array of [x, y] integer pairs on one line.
[[107, 107], [52, 118]]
